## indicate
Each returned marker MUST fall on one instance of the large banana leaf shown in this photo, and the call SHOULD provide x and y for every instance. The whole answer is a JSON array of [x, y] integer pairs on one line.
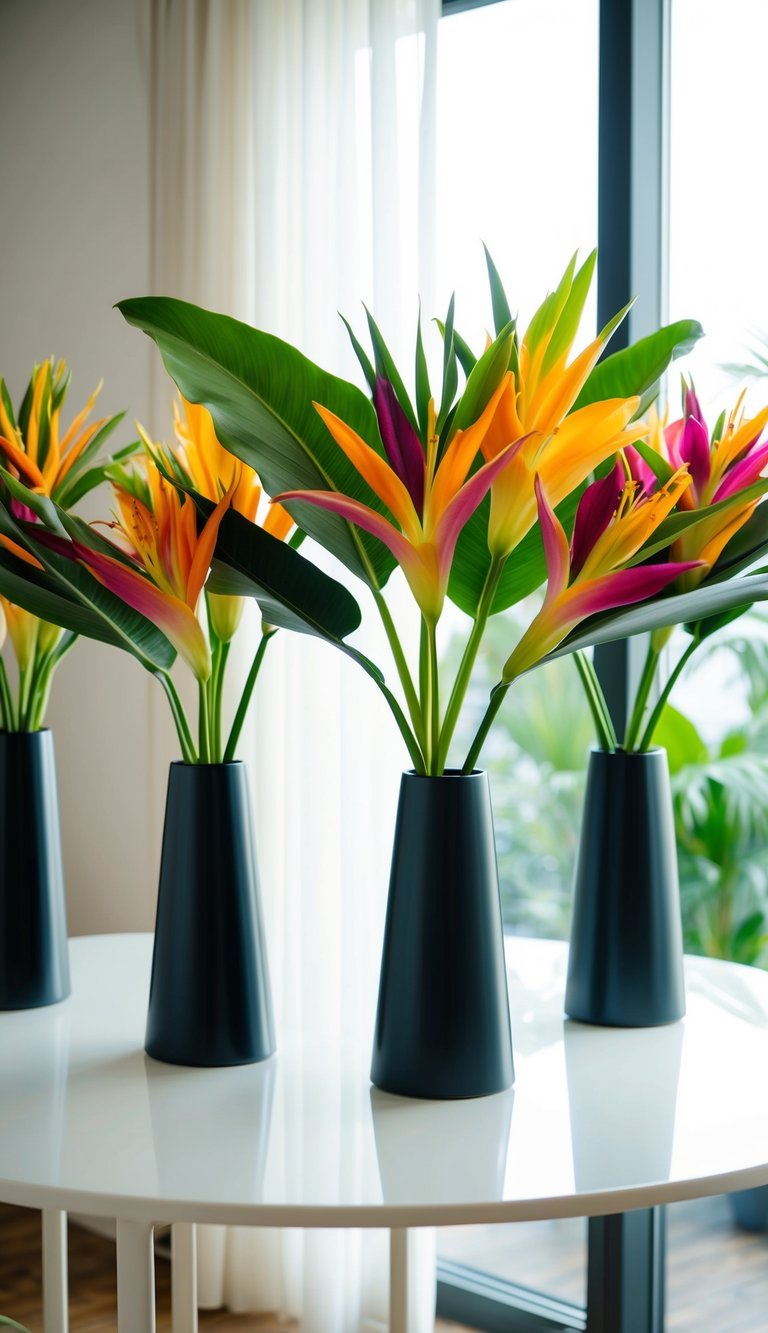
[[292, 593], [260, 392], [707, 600], [630, 372]]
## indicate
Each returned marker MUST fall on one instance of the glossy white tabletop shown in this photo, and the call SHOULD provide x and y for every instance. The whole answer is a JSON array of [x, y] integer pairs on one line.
[[600, 1120]]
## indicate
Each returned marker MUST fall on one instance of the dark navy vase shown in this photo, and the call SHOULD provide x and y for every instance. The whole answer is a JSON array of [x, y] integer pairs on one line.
[[209, 1000], [625, 966], [34, 956], [442, 1026]]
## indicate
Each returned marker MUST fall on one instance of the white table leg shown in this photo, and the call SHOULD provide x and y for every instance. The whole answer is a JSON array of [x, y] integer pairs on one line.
[[398, 1280], [184, 1277], [135, 1278], [55, 1287]]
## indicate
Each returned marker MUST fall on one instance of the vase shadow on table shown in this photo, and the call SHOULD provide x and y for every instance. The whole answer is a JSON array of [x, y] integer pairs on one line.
[[441, 1152], [622, 1097], [219, 1120]]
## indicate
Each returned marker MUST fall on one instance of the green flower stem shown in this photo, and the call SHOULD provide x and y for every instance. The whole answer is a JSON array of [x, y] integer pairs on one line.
[[411, 697], [601, 717], [497, 698], [183, 730], [641, 699], [220, 653], [43, 685], [7, 711], [245, 698], [461, 684], [26, 675], [431, 702], [204, 723], [647, 737]]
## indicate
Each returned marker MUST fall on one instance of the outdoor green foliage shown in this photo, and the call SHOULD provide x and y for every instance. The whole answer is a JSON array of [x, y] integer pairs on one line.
[[536, 757], [720, 794], [537, 761]]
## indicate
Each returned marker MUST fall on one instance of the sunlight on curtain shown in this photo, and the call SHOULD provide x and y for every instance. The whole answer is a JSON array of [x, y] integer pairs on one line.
[[323, 197]]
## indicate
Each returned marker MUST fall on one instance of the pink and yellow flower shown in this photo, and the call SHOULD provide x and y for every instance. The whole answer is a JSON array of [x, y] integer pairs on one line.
[[430, 499], [40, 455], [613, 521], [561, 446], [213, 471], [722, 466]]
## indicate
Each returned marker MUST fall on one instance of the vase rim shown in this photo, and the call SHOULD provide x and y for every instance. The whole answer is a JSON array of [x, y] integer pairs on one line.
[[447, 773], [621, 753], [39, 731], [229, 763]]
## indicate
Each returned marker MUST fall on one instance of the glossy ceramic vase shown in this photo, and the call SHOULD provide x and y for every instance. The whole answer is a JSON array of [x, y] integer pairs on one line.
[[34, 955], [625, 966], [750, 1208], [209, 1000], [442, 1025]]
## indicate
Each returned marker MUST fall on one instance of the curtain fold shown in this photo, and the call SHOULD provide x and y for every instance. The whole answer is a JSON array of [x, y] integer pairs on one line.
[[292, 177]]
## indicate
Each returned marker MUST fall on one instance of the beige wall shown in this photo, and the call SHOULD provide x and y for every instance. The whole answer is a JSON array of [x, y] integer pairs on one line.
[[74, 209]]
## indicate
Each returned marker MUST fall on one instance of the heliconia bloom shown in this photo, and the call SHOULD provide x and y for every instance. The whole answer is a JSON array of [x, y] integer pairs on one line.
[[562, 447], [40, 455], [429, 508], [613, 521], [170, 561], [721, 468], [212, 470]]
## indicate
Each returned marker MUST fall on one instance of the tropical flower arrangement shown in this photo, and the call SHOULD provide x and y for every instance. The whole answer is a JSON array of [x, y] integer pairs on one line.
[[548, 466], [544, 467], [137, 580], [57, 465]]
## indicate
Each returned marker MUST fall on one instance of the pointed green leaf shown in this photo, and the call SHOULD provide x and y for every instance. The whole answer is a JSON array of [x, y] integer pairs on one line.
[[502, 315], [467, 358], [385, 365], [570, 318], [423, 391], [679, 608], [260, 392], [484, 379], [659, 466], [360, 353], [450, 372]]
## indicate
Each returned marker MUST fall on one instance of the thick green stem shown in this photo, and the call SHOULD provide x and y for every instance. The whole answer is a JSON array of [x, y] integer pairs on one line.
[[601, 717], [7, 712], [183, 730], [220, 655], [409, 691], [641, 699], [647, 737], [496, 700], [432, 707], [245, 698], [461, 684], [204, 723]]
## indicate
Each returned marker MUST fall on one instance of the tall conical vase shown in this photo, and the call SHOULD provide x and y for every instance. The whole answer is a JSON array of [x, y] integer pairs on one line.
[[34, 956], [442, 1025], [625, 966], [209, 1000]]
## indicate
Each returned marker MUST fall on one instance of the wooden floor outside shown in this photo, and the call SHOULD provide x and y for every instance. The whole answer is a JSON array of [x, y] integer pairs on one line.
[[717, 1277]]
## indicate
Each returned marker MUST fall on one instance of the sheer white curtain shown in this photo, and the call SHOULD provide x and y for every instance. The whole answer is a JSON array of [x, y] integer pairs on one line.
[[293, 176]]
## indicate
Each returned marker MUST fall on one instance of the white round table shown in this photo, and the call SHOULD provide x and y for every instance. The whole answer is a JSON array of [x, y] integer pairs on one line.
[[600, 1121]]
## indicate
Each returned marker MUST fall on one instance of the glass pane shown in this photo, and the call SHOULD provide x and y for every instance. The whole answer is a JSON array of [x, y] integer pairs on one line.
[[517, 168]]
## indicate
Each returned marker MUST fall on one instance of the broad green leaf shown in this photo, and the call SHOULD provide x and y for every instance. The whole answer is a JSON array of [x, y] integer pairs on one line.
[[40, 505], [679, 737], [502, 315], [260, 392], [291, 592], [707, 600], [702, 629], [636, 369]]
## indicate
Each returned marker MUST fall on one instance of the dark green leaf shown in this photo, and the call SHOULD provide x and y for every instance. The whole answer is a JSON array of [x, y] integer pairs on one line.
[[423, 391], [260, 392], [385, 365], [484, 379], [361, 354], [467, 358], [450, 372]]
